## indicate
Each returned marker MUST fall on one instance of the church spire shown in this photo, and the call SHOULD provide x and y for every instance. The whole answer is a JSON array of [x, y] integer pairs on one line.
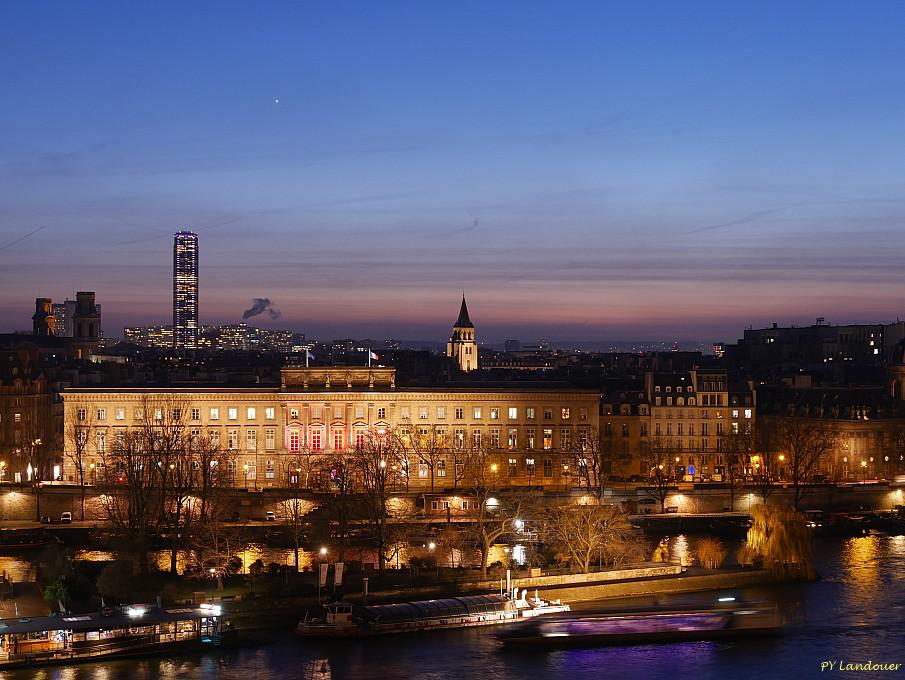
[[463, 321]]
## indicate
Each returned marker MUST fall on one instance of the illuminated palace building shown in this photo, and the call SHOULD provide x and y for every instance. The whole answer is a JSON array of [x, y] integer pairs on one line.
[[185, 290], [529, 432]]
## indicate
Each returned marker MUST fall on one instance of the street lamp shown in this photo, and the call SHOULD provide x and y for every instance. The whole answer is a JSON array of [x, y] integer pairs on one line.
[[863, 470]]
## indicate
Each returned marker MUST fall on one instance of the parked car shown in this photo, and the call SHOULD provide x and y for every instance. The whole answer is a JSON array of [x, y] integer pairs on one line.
[[636, 478], [270, 516], [45, 519], [66, 518]]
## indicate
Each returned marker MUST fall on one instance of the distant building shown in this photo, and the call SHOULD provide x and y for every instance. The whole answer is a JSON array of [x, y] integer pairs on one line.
[[185, 290], [512, 346], [462, 346], [156, 337], [62, 312]]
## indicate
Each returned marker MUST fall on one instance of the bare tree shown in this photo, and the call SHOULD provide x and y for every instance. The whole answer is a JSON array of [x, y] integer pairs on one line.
[[799, 446], [492, 513], [79, 428], [736, 451], [596, 457], [378, 466], [427, 444], [589, 533], [293, 511], [765, 472], [340, 502], [657, 462], [129, 475]]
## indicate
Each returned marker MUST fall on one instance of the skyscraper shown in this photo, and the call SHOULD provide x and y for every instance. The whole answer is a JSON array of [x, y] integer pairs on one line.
[[185, 290]]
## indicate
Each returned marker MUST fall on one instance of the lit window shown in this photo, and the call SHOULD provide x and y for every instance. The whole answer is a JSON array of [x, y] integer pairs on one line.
[[102, 414], [513, 439], [513, 413], [529, 467], [294, 440], [81, 414], [441, 468], [233, 414], [251, 413], [422, 412], [529, 413], [101, 441], [548, 438], [215, 414], [441, 412], [494, 438], [251, 440], [316, 443], [566, 414], [120, 414], [270, 440], [270, 413], [293, 414], [338, 439], [513, 467], [232, 440], [494, 414], [404, 412], [529, 439], [747, 413], [477, 413]]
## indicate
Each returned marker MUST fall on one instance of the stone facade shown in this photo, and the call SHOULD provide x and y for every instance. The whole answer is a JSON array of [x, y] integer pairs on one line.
[[528, 432]]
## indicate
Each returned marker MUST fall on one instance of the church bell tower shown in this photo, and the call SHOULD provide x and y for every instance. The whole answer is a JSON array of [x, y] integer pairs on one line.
[[462, 346]]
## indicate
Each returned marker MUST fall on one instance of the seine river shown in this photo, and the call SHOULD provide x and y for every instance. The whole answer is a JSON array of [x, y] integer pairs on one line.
[[855, 614]]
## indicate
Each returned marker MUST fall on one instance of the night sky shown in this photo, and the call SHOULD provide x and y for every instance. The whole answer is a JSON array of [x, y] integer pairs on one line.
[[583, 171]]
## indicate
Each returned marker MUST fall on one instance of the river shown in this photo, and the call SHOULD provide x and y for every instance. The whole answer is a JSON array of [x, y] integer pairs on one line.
[[856, 613]]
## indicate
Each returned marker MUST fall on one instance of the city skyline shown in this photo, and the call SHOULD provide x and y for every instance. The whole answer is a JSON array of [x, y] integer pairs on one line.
[[635, 178]]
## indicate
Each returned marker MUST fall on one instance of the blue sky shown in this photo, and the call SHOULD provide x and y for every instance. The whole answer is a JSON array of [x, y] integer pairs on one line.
[[582, 170]]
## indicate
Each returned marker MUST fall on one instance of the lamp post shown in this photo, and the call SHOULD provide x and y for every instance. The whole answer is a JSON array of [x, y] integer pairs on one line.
[[782, 458], [863, 470], [245, 470]]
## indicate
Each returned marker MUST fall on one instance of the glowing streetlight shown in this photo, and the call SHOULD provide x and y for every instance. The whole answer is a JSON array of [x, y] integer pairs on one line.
[[782, 457], [493, 467], [431, 545], [323, 551]]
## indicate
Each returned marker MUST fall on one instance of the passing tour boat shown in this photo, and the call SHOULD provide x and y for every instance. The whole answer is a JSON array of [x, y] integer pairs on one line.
[[343, 619], [647, 627], [124, 631]]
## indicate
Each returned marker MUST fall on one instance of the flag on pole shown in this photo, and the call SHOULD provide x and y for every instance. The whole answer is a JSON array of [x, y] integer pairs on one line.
[[338, 574], [323, 574], [372, 355], [308, 355]]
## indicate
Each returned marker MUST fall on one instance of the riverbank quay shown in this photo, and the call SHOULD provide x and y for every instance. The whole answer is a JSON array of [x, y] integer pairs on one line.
[[250, 614]]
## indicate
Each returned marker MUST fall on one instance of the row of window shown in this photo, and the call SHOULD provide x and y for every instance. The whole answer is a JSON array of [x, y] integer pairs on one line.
[[440, 412], [438, 438], [176, 414]]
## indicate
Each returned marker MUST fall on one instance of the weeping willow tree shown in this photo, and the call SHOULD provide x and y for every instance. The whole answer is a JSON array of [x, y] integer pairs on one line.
[[711, 553], [778, 540]]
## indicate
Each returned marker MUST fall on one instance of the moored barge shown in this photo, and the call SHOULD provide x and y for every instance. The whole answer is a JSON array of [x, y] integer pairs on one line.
[[343, 619], [124, 631]]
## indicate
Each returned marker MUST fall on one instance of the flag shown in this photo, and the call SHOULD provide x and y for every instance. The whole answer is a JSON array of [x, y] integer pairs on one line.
[[323, 574], [338, 574], [373, 356], [309, 354]]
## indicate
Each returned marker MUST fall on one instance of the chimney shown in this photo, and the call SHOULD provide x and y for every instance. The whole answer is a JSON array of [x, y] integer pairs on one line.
[[43, 319]]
